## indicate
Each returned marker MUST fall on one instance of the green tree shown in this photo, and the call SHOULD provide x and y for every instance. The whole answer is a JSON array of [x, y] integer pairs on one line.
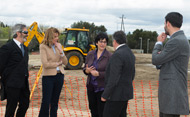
[[4, 31], [134, 39], [93, 29], [110, 40], [62, 38], [2, 24], [34, 45]]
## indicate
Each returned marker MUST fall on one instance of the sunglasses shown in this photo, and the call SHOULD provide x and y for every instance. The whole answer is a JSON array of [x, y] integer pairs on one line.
[[25, 32]]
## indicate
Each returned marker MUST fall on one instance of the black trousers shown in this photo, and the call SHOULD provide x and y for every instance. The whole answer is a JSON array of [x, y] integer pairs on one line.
[[95, 104], [17, 96], [115, 109], [168, 115], [51, 89]]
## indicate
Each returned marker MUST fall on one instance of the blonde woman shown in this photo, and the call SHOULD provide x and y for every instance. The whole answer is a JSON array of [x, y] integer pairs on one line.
[[53, 59]]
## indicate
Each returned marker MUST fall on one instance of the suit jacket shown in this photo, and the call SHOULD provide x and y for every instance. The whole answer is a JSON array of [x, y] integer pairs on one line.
[[101, 66], [119, 76], [13, 66], [174, 58], [49, 60]]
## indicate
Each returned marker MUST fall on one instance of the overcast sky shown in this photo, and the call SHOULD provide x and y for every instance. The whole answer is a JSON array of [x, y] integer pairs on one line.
[[139, 14]]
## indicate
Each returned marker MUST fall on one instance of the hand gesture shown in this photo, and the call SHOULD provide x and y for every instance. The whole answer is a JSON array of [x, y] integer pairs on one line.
[[94, 73], [103, 99], [59, 46], [89, 69], [161, 37], [59, 63]]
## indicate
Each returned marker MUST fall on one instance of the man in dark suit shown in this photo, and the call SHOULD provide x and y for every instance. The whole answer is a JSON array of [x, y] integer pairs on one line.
[[173, 58], [14, 72], [119, 76]]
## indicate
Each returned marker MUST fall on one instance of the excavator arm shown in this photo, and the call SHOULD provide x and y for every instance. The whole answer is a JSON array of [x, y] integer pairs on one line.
[[34, 30]]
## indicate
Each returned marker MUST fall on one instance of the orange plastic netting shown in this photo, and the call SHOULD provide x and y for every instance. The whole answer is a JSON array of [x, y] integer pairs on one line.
[[73, 100]]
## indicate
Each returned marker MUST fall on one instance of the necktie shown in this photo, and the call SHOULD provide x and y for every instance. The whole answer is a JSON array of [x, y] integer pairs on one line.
[[22, 49]]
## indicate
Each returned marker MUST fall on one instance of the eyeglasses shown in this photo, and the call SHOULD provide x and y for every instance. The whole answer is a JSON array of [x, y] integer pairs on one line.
[[103, 42], [25, 32]]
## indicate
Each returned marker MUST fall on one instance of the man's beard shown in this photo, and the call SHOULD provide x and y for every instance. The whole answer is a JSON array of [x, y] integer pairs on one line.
[[24, 39], [166, 32]]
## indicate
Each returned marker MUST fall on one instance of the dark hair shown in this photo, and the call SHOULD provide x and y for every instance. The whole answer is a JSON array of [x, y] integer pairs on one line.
[[175, 18], [120, 37], [101, 36], [17, 28]]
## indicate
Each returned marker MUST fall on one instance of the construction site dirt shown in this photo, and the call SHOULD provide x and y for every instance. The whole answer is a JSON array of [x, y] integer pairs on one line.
[[73, 99]]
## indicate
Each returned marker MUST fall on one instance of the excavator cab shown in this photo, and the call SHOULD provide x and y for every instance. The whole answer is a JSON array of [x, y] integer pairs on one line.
[[76, 46], [77, 38]]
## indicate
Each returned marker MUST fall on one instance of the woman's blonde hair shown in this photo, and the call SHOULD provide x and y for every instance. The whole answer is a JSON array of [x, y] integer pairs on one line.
[[49, 35]]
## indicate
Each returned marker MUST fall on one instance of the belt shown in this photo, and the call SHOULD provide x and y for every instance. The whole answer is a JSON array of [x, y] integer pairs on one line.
[[58, 72]]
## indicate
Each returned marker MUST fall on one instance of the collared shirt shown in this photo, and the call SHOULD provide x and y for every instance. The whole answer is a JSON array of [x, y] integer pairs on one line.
[[53, 46], [120, 45], [93, 78], [17, 42], [158, 42]]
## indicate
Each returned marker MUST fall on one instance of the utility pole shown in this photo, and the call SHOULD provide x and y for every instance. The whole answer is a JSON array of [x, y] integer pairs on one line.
[[148, 45], [122, 23], [140, 43]]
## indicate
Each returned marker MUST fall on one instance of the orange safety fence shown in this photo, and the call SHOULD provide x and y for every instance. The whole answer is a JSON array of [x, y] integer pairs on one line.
[[73, 100]]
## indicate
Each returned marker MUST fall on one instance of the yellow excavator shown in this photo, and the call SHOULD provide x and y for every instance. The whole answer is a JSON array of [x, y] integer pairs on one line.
[[34, 30], [76, 45]]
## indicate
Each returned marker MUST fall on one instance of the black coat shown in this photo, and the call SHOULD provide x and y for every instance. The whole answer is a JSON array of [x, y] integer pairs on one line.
[[13, 66], [120, 73]]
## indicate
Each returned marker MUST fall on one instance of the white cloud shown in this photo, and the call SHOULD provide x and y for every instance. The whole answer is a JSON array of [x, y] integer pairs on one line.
[[139, 14]]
